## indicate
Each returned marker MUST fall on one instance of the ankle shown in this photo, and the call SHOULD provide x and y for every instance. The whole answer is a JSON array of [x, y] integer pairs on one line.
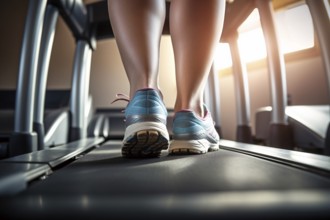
[[136, 89], [197, 109]]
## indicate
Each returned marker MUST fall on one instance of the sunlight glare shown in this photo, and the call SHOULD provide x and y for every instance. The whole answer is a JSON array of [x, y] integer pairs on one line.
[[222, 56], [252, 46], [295, 31]]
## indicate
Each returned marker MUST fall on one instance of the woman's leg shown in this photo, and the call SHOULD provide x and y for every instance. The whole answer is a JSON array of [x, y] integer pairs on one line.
[[138, 26], [195, 28]]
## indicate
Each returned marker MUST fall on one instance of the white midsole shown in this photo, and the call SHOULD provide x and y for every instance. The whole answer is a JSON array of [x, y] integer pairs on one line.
[[200, 145], [146, 126]]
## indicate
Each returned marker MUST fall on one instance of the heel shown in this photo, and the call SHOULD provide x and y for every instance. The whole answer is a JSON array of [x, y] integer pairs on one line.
[[145, 143]]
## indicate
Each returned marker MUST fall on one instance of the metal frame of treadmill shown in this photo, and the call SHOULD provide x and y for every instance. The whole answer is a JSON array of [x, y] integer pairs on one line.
[[35, 55]]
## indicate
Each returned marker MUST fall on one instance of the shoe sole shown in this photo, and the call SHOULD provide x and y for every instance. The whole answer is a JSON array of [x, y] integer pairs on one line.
[[145, 140], [179, 147], [147, 143]]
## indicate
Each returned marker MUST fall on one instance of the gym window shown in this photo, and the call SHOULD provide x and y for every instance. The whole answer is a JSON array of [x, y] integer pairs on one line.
[[295, 32]]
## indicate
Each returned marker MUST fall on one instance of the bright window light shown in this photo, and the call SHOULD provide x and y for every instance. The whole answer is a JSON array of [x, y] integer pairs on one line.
[[295, 29], [251, 45], [295, 32], [222, 56]]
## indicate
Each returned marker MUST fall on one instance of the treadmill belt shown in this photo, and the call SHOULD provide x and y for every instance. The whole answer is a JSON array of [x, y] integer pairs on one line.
[[222, 183]]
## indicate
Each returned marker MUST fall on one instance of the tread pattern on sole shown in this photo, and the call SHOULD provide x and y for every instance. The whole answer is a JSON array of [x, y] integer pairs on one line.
[[145, 144]]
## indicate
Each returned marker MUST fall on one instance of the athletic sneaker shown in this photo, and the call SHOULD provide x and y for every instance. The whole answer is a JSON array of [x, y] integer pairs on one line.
[[193, 134], [146, 134]]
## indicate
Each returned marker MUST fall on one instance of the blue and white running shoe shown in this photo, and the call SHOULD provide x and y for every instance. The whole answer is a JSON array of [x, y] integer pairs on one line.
[[146, 133], [193, 134]]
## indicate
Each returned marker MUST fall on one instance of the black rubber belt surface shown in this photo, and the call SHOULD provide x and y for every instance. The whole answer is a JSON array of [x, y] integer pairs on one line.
[[222, 183], [104, 171]]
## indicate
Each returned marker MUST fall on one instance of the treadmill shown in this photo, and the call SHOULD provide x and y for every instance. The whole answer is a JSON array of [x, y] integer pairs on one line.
[[40, 118], [308, 126], [240, 181], [73, 128]]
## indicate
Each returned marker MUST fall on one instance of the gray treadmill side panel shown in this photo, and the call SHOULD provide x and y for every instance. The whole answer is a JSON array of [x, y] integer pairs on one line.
[[300, 158], [314, 117], [15, 176], [57, 155], [309, 124]]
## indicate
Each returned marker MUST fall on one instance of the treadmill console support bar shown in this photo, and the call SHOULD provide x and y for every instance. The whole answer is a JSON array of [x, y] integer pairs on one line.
[[25, 94], [28, 66], [75, 15], [243, 129], [320, 16], [80, 90], [47, 40], [280, 133]]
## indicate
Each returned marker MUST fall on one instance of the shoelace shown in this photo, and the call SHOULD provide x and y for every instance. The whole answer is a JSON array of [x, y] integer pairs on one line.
[[121, 97]]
